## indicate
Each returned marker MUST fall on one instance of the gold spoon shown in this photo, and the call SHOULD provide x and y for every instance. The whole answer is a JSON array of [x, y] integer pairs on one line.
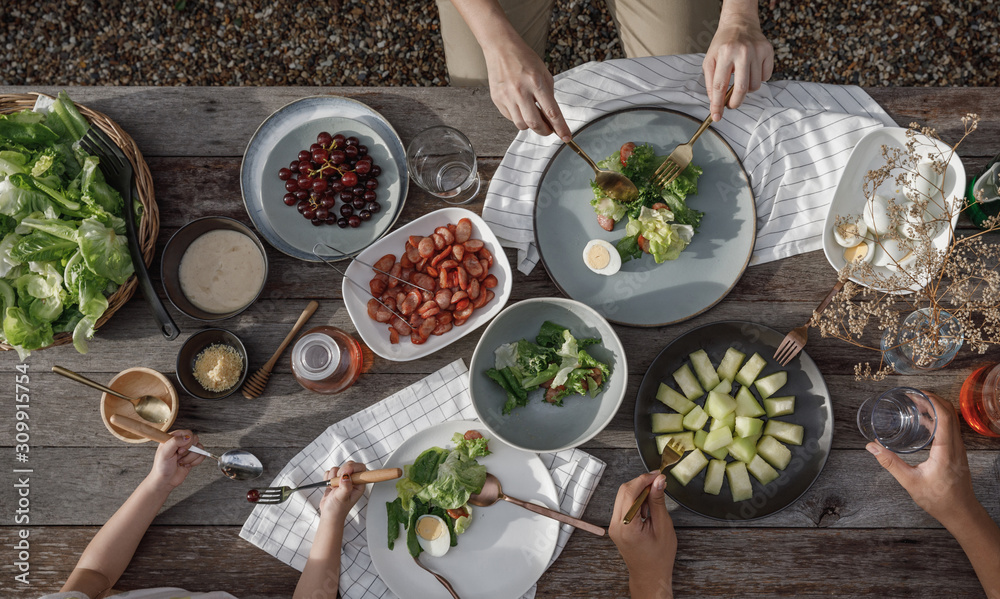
[[492, 492], [149, 407]]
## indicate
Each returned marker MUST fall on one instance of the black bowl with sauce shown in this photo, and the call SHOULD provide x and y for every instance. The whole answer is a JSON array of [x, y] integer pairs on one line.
[[195, 344], [179, 243]]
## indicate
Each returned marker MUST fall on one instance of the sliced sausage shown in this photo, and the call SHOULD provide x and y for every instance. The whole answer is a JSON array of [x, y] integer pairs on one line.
[[410, 303], [474, 245], [461, 305], [439, 243], [442, 328], [463, 230], [378, 287], [404, 260], [384, 315], [385, 263], [373, 307], [458, 251], [443, 279], [445, 232], [443, 298], [459, 296], [485, 269], [426, 247], [459, 321], [463, 314], [444, 317], [463, 277], [427, 327], [472, 265], [485, 254], [449, 264], [433, 272], [415, 240], [441, 256], [490, 282], [416, 339], [480, 301], [393, 336], [400, 325], [413, 254], [606, 222], [395, 271], [422, 280], [474, 289]]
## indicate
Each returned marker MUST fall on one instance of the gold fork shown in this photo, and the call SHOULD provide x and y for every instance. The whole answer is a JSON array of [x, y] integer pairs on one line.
[[681, 157], [795, 340], [672, 453]]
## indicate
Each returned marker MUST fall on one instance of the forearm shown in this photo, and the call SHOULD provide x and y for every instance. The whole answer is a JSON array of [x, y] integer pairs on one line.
[[321, 577], [739, 11], [112, 548], [488, 22], [646, 586], [979, 537]]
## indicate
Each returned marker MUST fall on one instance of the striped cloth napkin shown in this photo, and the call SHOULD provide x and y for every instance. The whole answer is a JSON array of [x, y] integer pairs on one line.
[[793, 139], [286, 530]]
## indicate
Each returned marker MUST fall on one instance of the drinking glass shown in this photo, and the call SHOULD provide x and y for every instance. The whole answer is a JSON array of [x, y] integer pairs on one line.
[[902, 420], [442, 162]]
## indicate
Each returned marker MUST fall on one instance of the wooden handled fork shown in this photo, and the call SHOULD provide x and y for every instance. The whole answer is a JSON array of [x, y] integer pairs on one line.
[[796, 339], [272, 495]]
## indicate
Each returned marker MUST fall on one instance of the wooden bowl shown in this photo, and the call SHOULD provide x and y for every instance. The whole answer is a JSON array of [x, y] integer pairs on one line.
[[135, 382]]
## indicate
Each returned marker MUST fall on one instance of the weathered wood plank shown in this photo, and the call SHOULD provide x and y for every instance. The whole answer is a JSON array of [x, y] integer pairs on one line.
[[710, 563], [223, 119], [852, 492]]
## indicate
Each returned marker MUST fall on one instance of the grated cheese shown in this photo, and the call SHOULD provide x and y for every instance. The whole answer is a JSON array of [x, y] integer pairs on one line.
[[218, 367]]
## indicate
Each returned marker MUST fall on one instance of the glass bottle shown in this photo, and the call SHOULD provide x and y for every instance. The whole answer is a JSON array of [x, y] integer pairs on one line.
[[326, 360], [986, 181], [979, 400]]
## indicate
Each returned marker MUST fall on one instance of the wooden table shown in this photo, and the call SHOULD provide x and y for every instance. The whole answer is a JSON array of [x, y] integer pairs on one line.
[[855, 533]]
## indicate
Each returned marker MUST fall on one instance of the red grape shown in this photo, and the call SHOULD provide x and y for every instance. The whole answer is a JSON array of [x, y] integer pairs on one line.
[[305, 155], [305, 183], [351, 151], [342, 222], [315, 147], [371, 184], [349, 179], [373, 207], [319, 185], [346, 210], [376, 170], [289, 199], [352, 141], [324, 138], [369, 196], [338, 156], [362, 150], [365, 215], [322, 213], [285, 174], [339, 139], [300, 194], [253, 495], [291, 185], [320, 155], [362, 168], [354, 221]]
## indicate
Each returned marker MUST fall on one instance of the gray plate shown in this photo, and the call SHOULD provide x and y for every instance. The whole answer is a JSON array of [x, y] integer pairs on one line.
[[644, 293], [813, 410], [277, 142], [539, 426]]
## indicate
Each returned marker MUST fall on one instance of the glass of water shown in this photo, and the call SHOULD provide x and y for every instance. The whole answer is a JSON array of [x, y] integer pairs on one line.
[[902, 420], [443, 163]]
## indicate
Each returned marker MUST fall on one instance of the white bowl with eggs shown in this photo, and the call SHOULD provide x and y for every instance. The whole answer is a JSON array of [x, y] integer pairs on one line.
[[865, 235]]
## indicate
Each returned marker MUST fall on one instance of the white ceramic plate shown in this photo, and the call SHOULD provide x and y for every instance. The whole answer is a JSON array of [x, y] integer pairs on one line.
[[376, 334], [504, 551], [849, 198], [277, 142], [540, 426]]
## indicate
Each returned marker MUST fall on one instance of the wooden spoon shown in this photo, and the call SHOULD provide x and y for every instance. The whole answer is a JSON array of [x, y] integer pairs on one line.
[[257, 381]]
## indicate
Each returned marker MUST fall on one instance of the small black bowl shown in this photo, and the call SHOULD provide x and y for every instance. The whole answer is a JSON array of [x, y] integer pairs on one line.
[[179, 242], [189, 352]]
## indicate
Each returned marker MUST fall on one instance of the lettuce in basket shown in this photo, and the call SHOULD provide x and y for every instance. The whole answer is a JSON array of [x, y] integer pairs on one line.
[[62, 244]]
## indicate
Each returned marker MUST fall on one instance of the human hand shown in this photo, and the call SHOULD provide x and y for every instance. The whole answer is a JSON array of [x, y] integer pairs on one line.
[[647, 544], [739, 47], [173, 461], [942, 485], [338, 501], [520, 83]]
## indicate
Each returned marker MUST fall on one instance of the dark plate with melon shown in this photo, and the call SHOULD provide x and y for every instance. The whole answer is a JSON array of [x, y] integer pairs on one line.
[[812, 418]]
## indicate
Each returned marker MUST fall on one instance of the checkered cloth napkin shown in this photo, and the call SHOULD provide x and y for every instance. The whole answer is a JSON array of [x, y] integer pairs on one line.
[[793, 139], [286, 530]]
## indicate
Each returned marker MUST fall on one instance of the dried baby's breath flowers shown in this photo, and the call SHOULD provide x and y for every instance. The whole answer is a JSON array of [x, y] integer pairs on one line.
[[955, 274]]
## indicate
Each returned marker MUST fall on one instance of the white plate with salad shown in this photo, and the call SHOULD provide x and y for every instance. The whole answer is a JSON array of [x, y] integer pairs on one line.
[[503, 550], [699, 244]]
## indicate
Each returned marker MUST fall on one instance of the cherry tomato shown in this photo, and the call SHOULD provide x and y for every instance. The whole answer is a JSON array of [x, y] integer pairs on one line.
[[470, 435], [643, 244], [626, 151], [456, 514]]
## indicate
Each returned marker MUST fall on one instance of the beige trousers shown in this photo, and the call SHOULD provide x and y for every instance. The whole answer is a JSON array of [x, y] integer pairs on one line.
[[646, 28]]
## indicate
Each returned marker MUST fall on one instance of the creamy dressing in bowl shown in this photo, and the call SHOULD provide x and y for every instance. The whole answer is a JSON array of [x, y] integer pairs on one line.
[[221, 271]]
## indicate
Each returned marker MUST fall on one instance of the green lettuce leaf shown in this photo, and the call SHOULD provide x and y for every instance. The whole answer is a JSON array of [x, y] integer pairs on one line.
[[104, 251]]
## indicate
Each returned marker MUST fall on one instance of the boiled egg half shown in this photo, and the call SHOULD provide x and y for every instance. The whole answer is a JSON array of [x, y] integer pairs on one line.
[[433, 535], [602, 257], [850, 234], [876, 215]]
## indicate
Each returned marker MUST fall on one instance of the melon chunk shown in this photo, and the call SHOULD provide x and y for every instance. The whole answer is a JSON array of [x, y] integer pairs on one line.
[[688, 383], [739, 481], [719, 405], [746, 404], [743, 448], [699, 442], [704, 369], [714, 477], [769, 384], [779, 406], [774, 452], [761, 470], [685, 439], [748, 374], [673, 399], [695, 419], [668, 423], [724, 386], [729, 421], [745, 427], [720, 438], [730, 363], [785, 431], [689, 467]]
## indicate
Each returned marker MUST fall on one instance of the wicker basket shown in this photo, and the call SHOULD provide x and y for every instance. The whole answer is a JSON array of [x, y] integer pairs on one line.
[[150, 226]]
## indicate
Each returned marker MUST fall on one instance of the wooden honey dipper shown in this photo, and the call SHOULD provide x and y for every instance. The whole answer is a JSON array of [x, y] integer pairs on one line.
[[255, 384]]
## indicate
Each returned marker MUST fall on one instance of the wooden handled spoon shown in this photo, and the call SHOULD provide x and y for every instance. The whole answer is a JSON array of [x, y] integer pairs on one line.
[[148, 407]]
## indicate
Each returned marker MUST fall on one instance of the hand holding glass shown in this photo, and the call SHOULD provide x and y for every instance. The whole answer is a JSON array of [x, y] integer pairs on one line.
[[902, 420]]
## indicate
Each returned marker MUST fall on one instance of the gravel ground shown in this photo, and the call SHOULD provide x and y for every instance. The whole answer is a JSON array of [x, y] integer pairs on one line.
[[361, 42]]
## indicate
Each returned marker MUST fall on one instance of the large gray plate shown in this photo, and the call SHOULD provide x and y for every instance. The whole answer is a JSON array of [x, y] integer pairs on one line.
[[277, 142], [813, 410], [644, 293]]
